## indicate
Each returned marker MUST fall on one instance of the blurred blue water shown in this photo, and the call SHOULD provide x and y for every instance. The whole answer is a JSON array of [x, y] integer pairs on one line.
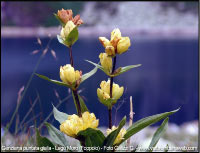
[[167, 79]]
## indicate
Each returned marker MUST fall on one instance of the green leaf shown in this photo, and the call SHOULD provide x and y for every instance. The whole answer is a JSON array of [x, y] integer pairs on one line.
[[59, 116], [141, 124], [158, 134], [113, 135], [61, 22], [118, 71], [125, 69], [72, 37], [91, 137], [53, 81], [98, 66], [83, 106], [56, 136], [44, 142], [89, 74], [82, 103]]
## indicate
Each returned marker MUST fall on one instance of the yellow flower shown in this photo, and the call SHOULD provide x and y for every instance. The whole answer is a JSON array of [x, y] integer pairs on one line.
[[106, 62], [115, 37], [67, 29], [117, 44], [123, 45], [74, 124], [104, 93], [68, 75], [104, 41], [119, 137]]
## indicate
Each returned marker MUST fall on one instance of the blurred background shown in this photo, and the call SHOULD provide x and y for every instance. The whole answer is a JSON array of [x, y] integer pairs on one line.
[[164, 39]]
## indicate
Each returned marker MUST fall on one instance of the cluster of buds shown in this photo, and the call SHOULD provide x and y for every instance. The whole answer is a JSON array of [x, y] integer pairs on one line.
[[103, 93], [117, 44], [68, 21], [74, 124], [70, 76], [67, 15]]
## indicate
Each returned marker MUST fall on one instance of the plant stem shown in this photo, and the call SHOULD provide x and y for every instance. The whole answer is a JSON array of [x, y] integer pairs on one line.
[[130, 121], [77, 102], [75, 90], [111, 85], [71, 58]]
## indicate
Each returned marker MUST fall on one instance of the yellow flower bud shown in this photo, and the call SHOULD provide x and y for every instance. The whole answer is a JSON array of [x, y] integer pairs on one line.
[[115, 37], [119, 137], [106, 62], [123, 45], [68, 75], [104, 93], [67, 29], [117, 91], [110, 50], [104, 41], [74, 124]]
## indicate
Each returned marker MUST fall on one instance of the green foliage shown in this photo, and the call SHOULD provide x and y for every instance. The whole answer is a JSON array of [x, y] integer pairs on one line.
[[113, 135], [88, 75], [53, 81], [91, 137], [158, 134], [82, 103], [72, 37], [117, 72], [141, 124], [44, 142], [59, 116], [56, 136]]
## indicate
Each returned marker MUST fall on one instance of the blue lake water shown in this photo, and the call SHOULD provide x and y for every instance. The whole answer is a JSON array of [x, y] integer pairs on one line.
[[167, 79]]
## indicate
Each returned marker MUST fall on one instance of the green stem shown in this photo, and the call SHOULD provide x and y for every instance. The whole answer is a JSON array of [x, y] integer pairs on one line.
[[75, 90]]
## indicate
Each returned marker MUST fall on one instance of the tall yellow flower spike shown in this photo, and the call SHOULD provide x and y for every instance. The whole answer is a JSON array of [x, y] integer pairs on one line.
[[74, 124], [119, 137], [68, 75], [117, 44]]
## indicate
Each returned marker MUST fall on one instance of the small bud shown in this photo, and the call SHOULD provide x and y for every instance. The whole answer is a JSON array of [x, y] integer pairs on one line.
[[123, 45], [67, 29], [119, 137], [65, 15], [106, 62]]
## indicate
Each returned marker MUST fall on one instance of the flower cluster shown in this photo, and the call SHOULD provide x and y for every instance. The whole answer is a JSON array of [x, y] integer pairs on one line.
[[104, 92], [74, 124], [117, 44], [69, 76], [67, 15]]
